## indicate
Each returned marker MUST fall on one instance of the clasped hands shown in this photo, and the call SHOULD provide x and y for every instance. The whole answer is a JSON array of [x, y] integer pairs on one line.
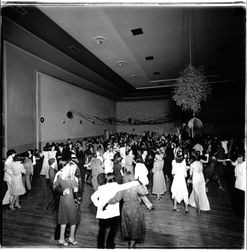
[[67, 190]]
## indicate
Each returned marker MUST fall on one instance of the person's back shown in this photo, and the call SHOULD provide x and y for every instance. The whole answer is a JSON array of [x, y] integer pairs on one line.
[[28, 165]]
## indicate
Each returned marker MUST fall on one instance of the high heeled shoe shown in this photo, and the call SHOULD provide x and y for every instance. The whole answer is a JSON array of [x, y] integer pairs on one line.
[[17, 205], [72, 242], [63, 243], [198, 211], [12, 207]]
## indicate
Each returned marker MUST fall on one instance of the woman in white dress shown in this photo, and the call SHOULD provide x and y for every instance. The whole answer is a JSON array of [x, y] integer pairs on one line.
[[45, 165], [179, 188], [17, 187], [108, 160], [51, 153], [198, 197], [159, 184], [141, 174], [8, 173]]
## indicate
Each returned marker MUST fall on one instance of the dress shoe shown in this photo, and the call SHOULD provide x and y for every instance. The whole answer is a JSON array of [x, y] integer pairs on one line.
[[72, 242], [63, 243], [150, 209], [17, 205], [12, 207]]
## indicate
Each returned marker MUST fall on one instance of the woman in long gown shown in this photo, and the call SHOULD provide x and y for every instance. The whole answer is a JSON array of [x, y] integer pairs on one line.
[[45, 165], [28, 165], [68, 211], [96, 166], [179, 188], [198, 197], [159, 184], [48, 154], [129, 160], [117, 168], [132, 218]]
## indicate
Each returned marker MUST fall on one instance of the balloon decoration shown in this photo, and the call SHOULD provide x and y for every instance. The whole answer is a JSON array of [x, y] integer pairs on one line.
[[195, 125]]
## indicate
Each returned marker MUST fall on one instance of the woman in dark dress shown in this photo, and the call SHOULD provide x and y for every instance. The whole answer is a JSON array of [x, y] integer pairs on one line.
[[132, 218], [67, 212], [117, 168]]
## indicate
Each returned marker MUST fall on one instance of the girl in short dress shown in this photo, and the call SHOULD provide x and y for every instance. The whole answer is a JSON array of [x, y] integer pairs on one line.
[[8, 175], [17, 187]]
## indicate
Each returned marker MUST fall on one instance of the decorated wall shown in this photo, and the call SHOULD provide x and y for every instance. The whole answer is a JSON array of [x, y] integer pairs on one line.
[[71, 112], [20, 102], [149, 115]]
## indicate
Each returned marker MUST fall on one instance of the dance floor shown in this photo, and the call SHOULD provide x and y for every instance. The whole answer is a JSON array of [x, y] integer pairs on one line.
[[30, 226]]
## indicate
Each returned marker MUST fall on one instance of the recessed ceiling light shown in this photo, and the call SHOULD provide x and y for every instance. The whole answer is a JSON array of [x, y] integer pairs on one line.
[[121, 63], [133, 76], [20, 10], [148, 58], [137, 31], [99, 39], [73, 49]]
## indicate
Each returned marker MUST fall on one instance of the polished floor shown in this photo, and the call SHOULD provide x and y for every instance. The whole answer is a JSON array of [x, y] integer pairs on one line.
[[30, 226]]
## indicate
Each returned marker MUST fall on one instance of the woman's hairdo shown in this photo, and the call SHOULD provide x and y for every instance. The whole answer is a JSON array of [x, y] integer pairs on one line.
[[101, 179], [110, 177], [10, 152], [128, 177]]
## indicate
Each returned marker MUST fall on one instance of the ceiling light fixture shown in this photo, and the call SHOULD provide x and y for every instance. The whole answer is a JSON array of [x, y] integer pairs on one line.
[[121, 63], [137, 31], [73, 49], [20, 10], [133, 76], [99, 39]]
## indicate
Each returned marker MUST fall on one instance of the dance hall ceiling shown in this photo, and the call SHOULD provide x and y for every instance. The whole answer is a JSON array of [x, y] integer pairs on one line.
[[138, 51]]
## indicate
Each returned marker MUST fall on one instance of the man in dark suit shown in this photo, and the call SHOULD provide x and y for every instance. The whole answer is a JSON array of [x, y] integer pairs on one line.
[[54, 203]]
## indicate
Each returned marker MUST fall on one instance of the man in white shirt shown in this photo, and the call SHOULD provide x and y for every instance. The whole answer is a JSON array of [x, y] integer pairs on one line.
[[141, 174], [240, 188], [108, 217]]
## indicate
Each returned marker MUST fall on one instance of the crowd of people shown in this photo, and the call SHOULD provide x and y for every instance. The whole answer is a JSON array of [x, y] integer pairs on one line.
[[123, 169]]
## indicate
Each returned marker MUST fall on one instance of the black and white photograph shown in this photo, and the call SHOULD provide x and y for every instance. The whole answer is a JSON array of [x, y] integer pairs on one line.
[[123, 124]]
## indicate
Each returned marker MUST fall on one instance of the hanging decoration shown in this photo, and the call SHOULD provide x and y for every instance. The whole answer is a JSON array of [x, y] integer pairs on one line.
[[191, 87], [128, 119]]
